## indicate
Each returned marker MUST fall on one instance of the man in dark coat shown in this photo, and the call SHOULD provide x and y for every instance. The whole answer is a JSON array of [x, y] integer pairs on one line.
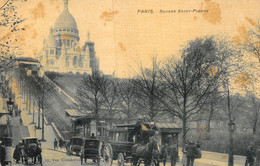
[[17, 152], [191, 151], [2, 154], [173, 152], [250, 156], [55, 144]]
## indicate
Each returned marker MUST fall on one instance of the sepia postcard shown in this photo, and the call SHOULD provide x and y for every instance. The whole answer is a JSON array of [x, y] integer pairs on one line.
[[130, 82]]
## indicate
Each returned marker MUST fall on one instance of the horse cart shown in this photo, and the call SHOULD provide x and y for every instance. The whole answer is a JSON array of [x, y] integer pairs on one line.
[[31, 149], [75, 145]]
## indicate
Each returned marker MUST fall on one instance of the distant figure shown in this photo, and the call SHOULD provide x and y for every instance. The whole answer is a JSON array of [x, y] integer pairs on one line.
[[21, 121], [184, 156], [19, 112], [61, 143], [164, 153], [250, 156], [191, 151], [55, 144], [198, 150], [173, 152], [17, 152], [2, 154], [93, 136]]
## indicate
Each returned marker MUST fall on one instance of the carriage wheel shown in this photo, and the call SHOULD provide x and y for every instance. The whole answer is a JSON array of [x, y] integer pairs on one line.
[[120, 159], [108, 155]]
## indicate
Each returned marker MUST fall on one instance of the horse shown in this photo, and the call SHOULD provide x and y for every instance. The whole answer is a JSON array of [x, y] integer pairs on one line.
[[144, 152], [160, 155]]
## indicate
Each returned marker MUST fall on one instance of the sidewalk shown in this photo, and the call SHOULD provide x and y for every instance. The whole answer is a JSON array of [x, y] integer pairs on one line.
[[49, 134]]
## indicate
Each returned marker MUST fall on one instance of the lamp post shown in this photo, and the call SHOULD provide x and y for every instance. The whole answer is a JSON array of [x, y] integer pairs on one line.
[[231, 130], [10, 106]]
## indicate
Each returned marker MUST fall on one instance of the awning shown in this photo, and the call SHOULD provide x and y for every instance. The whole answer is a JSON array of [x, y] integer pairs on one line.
[[74, 113]]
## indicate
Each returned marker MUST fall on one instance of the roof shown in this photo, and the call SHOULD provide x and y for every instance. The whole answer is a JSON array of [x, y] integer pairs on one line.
[[83, 120], [30, 138], [168, 127], [26, 59], [74, 113], [65, 20]]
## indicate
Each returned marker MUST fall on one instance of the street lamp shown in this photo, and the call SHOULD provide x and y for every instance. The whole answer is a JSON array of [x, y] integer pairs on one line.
[[10, 106], [232, 126]]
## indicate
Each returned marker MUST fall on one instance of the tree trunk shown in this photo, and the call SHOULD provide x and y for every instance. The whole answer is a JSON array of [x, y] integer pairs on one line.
[[258, 145], [184, 131], [210, 117], [254, 126]]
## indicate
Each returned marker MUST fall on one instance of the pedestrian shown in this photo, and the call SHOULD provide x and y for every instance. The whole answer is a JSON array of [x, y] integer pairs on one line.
[[61, 143], [55, 144], [17, 152], [250, 156], [191, 151], [184, 156], [164, 153], [198, 150], [19, 112], [173, 152], [21, 121], [2, 154]]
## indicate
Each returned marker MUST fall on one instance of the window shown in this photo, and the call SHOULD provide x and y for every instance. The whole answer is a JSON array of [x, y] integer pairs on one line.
[[68, 42], [81, 62], [75, 61], [67, 61], [51, 51], [59, 29], [46, 52], [64, 42], [64, 29], [71, 43]]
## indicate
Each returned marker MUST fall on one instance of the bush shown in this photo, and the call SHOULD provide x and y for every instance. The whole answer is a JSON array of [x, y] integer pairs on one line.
[[219, 142]]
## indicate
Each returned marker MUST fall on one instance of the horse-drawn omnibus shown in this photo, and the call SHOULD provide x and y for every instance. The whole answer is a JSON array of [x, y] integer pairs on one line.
[[132, 143]]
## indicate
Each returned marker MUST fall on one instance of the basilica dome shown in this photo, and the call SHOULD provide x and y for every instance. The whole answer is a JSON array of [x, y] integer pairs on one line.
[[65, 20]]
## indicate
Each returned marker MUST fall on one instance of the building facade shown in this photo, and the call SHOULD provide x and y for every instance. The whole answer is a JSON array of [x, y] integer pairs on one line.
[[61, 51]]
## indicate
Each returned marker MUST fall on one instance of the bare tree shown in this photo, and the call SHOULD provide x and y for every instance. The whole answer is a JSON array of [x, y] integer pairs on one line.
[[189, 81], [110, 93], [90, 94], [147, 85], [128, 97]]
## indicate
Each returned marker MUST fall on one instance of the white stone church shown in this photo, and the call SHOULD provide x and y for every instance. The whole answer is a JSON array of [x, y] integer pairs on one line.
[[61, 51]]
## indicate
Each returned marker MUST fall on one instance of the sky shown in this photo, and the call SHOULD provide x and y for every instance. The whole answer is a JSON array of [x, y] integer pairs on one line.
[[130, 32]]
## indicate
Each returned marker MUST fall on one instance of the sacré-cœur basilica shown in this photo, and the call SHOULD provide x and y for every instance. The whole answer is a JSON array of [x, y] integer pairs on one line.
[[61, 51]]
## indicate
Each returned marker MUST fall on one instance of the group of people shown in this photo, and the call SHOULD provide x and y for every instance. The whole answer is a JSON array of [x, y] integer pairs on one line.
[[190, 152], [57, 144]]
